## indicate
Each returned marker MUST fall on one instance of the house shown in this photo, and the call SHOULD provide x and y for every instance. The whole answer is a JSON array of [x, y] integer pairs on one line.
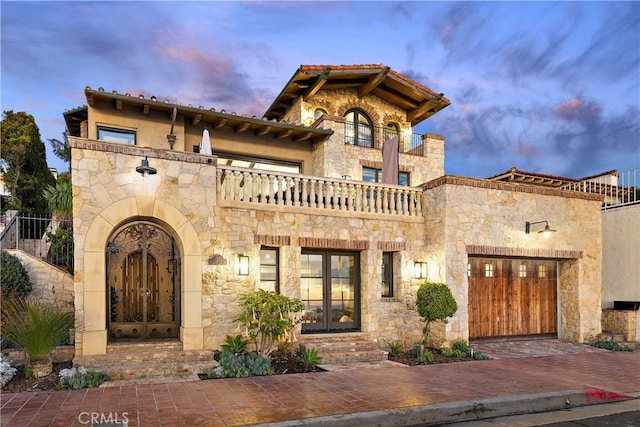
[[168, 238]]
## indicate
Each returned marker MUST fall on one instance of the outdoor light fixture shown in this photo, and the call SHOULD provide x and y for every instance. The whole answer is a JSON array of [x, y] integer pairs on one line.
[[546, 232], [243, 265], [145, 169], [420, 270]]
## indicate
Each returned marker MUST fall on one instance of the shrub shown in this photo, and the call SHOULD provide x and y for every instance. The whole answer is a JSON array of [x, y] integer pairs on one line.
[[236, 345], [36, 326], [611, 345], [481, 356], [61, 252], [310, 357], [241, 366], [395, 348], [434, 302], [77, 378], [6, 371], [13, 276], [424, 354], [268, 318]]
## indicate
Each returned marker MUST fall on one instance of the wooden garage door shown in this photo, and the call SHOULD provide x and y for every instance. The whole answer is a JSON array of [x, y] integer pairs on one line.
[[509, 297]]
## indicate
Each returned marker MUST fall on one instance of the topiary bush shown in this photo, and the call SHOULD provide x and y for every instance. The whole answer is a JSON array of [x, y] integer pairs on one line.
[[13, 276], [434, 302]]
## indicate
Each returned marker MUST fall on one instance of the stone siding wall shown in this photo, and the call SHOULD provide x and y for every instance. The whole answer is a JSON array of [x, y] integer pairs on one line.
[[621, 322], [463, 212], [181, 198]]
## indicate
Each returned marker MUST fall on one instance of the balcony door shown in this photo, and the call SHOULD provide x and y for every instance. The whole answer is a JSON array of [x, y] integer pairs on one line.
[[330, 291]]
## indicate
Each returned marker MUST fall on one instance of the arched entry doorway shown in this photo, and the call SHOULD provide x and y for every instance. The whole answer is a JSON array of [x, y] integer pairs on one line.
[[143, 285]]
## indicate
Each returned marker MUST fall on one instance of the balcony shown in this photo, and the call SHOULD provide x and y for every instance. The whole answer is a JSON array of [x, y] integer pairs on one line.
[[374, 137], [248, 187]]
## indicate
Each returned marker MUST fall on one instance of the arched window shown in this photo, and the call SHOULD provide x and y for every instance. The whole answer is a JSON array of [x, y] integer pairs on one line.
[[318, 113], [358, 128]]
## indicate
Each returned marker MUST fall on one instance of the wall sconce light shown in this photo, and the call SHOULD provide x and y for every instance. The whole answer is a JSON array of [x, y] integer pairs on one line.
[[145, 169], [420, 270], [243, 265], [546, 232]]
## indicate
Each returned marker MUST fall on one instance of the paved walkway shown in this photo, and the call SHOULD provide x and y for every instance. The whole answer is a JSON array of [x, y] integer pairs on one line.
[[388, 395]]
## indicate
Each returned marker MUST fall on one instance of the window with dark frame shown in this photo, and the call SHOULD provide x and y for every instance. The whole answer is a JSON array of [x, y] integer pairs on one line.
[[375, 175], [269, 267], [358, 128], [120, 136], [387, 274]]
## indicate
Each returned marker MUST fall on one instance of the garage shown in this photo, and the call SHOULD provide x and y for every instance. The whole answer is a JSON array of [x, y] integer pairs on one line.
[[512, 297]]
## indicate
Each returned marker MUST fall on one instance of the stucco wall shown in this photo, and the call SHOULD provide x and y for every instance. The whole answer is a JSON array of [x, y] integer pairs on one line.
[[621, 255], [464, 213]]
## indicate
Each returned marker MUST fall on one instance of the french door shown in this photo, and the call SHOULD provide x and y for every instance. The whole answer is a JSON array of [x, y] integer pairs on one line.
[[330, 291]]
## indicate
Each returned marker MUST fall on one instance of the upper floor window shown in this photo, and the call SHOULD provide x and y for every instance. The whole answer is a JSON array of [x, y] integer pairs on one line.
[[375, 175], [258, 163], [358, 128], [120, 136], [318, 113]]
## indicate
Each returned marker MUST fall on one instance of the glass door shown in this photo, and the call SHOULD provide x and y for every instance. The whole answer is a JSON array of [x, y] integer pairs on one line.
[[330, 290]]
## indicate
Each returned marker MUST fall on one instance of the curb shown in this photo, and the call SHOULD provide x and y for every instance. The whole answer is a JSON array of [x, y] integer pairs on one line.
[[463, 410]]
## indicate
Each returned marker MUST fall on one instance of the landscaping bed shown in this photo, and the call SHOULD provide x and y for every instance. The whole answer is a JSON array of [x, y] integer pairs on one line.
[[20, 384]]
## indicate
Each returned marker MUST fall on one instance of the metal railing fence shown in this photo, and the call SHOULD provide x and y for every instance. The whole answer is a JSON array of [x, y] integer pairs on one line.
[[42, 236], [618, 190], [374, 137]]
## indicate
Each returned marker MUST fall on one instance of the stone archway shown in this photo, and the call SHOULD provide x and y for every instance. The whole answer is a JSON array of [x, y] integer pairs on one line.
[[91, 302]]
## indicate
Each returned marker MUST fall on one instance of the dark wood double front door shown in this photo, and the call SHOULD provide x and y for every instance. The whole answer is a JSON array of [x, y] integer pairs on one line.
[[142, 283]]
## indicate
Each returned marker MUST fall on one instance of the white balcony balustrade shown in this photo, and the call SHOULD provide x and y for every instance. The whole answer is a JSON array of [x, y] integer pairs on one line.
[[302, 191]]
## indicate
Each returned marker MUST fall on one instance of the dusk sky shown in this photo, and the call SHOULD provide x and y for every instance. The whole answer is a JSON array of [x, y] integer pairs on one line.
[[548, 87]]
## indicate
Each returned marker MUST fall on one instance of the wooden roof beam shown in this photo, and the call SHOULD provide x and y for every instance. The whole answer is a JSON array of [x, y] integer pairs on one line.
[[423, 107], [316, 84], [118, 104], [303, 137], [287, 133], [242, 128], [220, 124], [373, 82], [265, 130]]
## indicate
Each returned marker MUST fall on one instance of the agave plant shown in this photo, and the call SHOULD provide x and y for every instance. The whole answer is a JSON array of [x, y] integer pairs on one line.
[[36, 326]]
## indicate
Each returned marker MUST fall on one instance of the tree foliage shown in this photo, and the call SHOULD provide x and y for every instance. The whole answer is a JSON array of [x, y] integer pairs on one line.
[[434, 302], [61, 148], [25, 161]]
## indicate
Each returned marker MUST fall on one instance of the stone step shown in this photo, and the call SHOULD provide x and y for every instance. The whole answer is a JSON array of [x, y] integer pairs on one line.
[[341, 346], [145, 370], [134, 346], [144, 361], [335, 337], [344, 348], [353, 357]]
